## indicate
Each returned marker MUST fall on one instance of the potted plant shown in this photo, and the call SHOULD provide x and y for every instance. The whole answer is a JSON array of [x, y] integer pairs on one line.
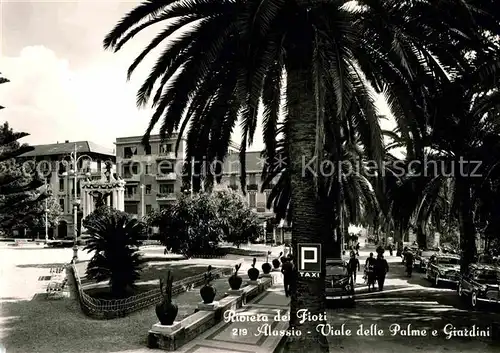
[[167, 311], [208, 292], [253, 273], [266, 267], [276, 262], [235, 280]]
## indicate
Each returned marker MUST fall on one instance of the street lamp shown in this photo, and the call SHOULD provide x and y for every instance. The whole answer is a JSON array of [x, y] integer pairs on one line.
[[48, 191], [76, 201]]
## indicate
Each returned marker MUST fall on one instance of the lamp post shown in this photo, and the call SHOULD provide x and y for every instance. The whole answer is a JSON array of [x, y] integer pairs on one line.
[[46, 213], [74, 161]]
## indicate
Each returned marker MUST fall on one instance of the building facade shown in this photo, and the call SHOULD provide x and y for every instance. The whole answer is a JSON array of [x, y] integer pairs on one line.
[[54, 162], [153, 175], [255, 196], [153, 178]]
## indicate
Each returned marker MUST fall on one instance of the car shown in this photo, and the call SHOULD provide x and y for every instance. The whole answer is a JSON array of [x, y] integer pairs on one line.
[[485, 259], [423, 259], [480, 284], [339, 284], [443, 268]]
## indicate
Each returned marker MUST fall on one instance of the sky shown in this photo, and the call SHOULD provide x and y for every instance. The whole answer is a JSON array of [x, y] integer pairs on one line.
[[64, 85]]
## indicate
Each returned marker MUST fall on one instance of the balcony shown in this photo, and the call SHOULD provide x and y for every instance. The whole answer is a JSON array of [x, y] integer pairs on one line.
[[166, 197], [132, 177], [166, 156], [166, 176], [131, 197]]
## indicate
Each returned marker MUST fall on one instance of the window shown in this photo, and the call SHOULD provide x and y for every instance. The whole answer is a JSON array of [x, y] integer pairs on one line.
[[166, 188], [130, 170], [233, 180], [148, 189], [148, 169], [61, 167], [128, 152], [61, 203], [149, 208], [130, 191], [165, 167], [252, 199], [147, 150], [61, 184], [166, 148], [131, 208], [252, 179]]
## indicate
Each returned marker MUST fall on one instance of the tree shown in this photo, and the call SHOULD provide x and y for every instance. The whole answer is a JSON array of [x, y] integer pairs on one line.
[[3, 80], [239, 223], [21, 201], [190, 226], [32, 216], [115, 239], [233, 56], [98, 214]]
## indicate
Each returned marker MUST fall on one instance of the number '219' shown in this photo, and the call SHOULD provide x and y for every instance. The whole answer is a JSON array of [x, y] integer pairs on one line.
[[240, 332]]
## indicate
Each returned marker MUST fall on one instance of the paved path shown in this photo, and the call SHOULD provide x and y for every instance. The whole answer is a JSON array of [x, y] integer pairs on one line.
[[244, 337]]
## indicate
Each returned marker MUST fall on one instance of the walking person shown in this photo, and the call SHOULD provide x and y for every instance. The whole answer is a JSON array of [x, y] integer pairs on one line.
[[352, 268], [370, 272], [357, 249], [409, 263], [287, 270], [381, 269]]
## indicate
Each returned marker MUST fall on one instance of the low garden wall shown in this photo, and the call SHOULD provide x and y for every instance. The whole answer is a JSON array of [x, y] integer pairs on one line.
[[110, 309], [203, 320]]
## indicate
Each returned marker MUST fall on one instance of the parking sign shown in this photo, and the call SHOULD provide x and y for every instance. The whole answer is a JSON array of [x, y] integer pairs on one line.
[[309, 260]]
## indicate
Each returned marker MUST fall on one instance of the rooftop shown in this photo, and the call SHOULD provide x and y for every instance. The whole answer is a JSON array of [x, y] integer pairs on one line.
[[68, 147]]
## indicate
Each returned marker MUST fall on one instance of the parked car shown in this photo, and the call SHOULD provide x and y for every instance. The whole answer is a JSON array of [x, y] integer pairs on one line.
[[443, 268], [423, 259], [485, 259], [480, 284], [339, 284]]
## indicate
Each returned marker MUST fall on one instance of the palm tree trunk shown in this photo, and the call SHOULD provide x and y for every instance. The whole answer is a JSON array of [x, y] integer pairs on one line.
[[467, 228], [311, 219], [421, 238]]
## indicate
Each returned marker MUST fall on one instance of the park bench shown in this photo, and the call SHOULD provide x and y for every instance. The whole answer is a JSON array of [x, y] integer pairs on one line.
[[55, 289]]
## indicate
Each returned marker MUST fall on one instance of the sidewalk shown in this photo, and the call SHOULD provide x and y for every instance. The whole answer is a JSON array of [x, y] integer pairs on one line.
[[243, 337]]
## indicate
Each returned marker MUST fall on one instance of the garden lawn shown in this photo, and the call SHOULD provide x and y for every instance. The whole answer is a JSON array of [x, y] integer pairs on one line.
[[149, 279]]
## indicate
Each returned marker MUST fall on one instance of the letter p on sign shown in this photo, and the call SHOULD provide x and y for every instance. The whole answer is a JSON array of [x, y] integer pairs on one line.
[[309, 257]]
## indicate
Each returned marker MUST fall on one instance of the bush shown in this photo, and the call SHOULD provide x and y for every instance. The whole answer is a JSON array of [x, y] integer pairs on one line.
[[114, 237]]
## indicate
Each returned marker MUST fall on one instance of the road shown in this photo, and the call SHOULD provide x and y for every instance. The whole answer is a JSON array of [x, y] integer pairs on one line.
[[422, 319]]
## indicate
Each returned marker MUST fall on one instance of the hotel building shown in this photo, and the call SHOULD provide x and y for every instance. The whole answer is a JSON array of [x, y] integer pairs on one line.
[[54, 163]]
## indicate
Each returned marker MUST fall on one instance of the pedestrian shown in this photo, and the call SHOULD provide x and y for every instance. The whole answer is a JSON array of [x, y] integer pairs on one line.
[[409, 260], [390, 249], [287, 270], [370, 272], [353, 267], [357, 249], [381, 269]]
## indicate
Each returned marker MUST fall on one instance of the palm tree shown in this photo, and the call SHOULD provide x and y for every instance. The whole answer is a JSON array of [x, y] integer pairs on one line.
[[115, 239], [233, 54], [3, 80]]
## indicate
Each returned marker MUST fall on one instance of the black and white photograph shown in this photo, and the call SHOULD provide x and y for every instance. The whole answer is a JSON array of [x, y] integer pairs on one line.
[[249, 176]]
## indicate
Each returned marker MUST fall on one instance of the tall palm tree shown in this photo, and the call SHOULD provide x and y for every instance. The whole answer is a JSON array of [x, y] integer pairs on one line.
[[233, 56]]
